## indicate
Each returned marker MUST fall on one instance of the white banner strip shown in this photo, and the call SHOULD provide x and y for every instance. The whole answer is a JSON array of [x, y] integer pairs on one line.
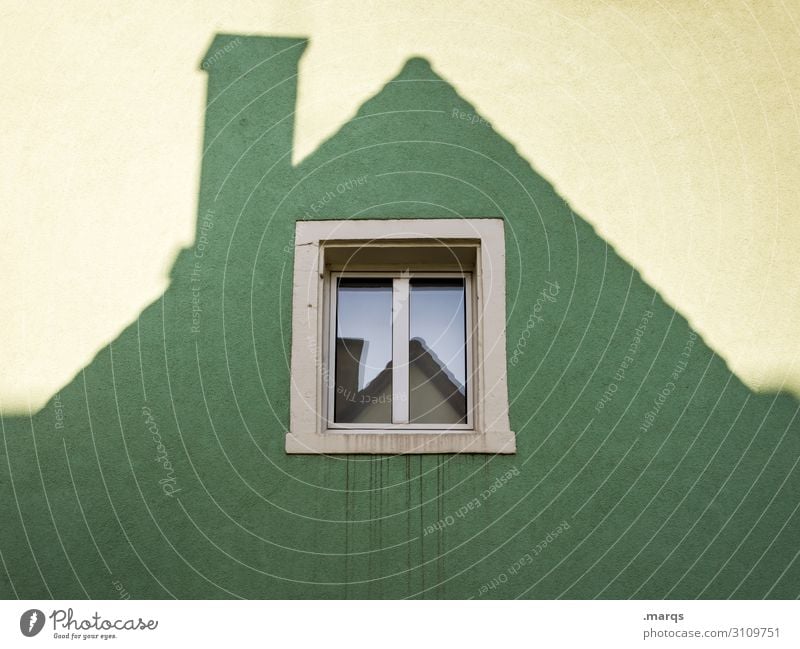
[[385, 625]]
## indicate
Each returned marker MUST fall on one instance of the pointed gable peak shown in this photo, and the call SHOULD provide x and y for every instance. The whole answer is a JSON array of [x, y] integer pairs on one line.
[[417, 68]]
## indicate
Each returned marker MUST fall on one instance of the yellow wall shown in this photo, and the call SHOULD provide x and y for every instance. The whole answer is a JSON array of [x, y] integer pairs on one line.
[[672, 127]]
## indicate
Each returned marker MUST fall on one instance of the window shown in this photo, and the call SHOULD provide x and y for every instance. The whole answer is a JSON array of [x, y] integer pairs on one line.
[[398, 341], [400, 350]]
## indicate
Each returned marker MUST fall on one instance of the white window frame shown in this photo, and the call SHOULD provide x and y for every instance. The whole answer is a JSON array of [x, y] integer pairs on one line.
[[400, 340], [487, 429]]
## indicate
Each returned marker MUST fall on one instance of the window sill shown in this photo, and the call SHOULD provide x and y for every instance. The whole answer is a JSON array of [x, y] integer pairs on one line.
[[379, 442]]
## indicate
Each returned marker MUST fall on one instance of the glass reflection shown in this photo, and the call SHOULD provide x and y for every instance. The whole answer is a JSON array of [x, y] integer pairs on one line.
[[363, 390], [437, 352]]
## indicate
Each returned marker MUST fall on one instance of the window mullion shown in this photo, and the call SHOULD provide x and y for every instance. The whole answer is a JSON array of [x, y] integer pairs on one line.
[[400, 328]]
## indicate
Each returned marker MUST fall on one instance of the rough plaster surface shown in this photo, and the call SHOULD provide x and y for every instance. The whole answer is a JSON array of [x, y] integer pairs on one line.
[[644, 466], [671, 127]]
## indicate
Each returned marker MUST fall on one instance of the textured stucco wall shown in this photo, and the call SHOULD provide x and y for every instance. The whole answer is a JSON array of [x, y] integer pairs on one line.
[[645, 468], [671, 127]]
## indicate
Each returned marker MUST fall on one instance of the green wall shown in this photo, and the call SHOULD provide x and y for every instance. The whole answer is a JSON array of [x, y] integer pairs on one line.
[[698, 498]]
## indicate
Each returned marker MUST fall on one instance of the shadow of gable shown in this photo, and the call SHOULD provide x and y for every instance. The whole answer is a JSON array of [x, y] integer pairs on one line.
[[161, 465]]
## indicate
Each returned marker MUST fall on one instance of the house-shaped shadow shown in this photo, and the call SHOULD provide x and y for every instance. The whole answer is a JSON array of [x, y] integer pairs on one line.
[[644, 467]]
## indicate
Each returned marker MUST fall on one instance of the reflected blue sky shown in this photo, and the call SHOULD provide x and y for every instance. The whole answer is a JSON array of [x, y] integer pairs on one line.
[[364, 311], [437, 318]]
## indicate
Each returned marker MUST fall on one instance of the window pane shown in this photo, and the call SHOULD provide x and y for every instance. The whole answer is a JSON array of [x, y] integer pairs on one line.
[[437, 352], [363, 391]]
